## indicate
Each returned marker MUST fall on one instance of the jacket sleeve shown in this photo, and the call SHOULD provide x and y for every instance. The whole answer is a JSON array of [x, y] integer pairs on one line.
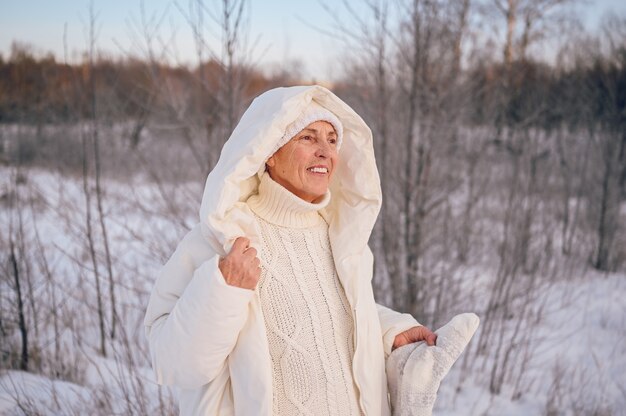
[[193, 320], [392, 323]]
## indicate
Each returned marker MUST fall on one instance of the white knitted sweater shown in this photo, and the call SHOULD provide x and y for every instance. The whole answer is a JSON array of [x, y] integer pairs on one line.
[[307, 317]]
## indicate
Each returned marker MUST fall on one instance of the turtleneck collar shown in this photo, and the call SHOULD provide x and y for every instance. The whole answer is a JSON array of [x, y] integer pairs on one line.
[[277, 205]]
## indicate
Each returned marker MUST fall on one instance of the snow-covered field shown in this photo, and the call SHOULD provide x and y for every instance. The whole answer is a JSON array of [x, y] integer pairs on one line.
[[579, 364], [570, 356]]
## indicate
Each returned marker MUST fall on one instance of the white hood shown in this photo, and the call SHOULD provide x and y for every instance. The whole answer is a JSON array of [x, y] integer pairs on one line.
[[355, 187]]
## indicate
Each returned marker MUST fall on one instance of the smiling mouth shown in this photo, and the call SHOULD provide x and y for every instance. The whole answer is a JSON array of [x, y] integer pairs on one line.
[[318, 170]]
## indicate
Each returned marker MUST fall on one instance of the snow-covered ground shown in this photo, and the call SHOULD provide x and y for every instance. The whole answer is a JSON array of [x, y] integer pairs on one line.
[[574, 359], [579, 364]]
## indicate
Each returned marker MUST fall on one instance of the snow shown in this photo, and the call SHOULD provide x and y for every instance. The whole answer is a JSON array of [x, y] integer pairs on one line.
[[20, 390], [576, 360], [579, 344]]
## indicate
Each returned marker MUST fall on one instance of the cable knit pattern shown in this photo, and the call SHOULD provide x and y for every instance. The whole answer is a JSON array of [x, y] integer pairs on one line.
[[307, 316]]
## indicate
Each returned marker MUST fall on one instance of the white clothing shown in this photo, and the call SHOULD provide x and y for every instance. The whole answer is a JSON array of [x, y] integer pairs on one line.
[[209, 338], [416, 370], [307, 316]]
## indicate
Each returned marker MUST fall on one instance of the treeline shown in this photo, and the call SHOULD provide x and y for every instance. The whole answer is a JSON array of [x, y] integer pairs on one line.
[[545, 96], [38, 89]]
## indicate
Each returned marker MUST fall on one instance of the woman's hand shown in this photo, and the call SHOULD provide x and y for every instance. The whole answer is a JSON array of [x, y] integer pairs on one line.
[[415, 334], [241, 267]]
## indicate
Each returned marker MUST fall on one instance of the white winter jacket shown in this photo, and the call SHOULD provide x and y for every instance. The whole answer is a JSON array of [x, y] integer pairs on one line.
[[208, 338]]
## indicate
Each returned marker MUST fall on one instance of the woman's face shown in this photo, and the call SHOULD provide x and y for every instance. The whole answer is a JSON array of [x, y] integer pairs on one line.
[[306, 163]]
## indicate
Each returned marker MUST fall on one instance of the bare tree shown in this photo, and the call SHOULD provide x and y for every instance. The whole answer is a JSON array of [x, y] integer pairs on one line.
[[93, 135], [20, 306], [535, 17]]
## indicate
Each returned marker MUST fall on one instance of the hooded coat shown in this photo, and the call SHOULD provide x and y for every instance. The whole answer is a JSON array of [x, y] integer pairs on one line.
[[208, 338]]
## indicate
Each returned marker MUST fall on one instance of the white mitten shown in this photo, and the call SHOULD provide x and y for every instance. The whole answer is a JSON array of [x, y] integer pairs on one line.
[[415, 371]]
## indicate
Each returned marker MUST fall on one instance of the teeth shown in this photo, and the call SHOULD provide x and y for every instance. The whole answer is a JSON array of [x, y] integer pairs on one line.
[[319, 170]]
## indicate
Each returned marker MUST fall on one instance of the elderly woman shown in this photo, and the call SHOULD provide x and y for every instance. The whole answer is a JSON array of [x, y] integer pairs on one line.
[[266, 306]]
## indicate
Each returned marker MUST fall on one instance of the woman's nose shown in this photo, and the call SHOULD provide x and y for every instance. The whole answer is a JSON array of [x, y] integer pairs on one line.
[[324, 149]]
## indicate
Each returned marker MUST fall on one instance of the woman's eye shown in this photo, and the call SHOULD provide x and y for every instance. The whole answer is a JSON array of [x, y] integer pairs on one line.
[[333, 141], [306, 137]]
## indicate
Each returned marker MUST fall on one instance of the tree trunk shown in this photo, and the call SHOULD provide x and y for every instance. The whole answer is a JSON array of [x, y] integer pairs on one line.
[[20, 308], [511, 18]]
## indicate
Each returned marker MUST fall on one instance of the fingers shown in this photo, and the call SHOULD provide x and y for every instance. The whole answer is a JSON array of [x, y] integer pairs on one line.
[[431, 339], [241, 267], [415, 334], [250, 253], [251, 262], [240, 245], [427, 335], [400, 340]]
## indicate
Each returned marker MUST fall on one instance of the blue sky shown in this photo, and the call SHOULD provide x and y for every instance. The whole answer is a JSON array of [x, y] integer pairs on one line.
[[285, 30]]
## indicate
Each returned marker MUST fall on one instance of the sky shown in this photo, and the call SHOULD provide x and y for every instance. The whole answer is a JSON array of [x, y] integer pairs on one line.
[[282, 31]]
